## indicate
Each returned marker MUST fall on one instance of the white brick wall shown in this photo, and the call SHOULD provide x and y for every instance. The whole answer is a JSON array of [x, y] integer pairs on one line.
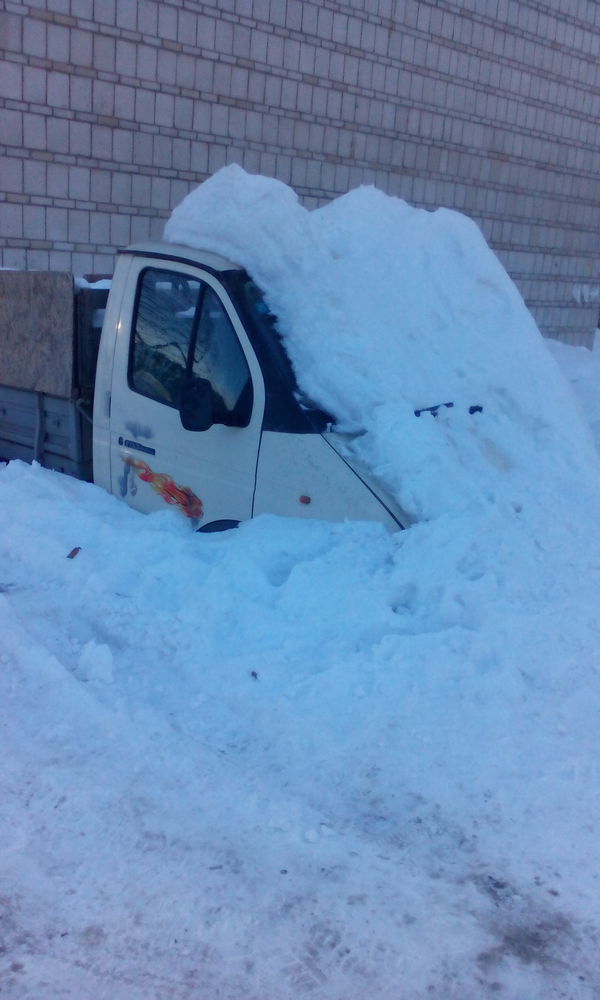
[[111, 110]]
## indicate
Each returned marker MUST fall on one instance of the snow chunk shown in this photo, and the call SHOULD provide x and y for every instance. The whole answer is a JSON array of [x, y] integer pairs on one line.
[[96, 663]]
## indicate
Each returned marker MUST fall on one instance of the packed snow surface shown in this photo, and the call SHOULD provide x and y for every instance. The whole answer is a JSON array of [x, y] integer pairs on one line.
[[317, 760]]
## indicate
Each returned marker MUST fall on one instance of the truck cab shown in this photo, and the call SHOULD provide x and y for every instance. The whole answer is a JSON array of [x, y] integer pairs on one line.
[[196, 405]]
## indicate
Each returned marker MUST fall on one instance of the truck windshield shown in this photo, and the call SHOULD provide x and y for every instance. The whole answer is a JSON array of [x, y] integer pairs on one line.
[[269, 346]]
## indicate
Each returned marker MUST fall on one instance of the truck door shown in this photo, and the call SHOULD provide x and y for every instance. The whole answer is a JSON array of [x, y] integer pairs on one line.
[[187, 398]]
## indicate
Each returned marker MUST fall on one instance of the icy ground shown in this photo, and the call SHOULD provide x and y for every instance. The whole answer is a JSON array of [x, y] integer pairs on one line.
[[309, 760]]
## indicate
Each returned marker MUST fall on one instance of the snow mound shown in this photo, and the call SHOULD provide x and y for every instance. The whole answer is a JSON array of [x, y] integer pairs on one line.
[[387, 309], [319, 760], [294, 760], [582, 368]]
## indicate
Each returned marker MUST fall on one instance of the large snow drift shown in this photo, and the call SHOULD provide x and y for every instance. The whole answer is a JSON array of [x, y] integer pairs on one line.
[[308, 760], [386, 309]]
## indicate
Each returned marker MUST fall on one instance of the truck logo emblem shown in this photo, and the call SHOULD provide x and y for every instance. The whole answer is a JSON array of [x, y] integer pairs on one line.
[[179, 496]]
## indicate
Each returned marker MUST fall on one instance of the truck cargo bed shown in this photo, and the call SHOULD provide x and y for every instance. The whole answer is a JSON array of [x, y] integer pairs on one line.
[[46, 429], [49, 335]]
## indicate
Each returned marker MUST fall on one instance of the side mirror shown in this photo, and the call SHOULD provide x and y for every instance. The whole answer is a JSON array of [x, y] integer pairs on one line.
[[196, 403]]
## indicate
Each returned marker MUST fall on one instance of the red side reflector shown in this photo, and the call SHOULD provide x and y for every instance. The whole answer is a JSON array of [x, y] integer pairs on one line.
[[304, 498]]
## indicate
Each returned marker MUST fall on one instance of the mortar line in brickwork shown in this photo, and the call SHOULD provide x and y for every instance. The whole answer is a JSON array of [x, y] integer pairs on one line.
[[494, 188], [457, 46], [458, 11], [559, 143], [343, 48], [449, 148], [574, 106], [346, 10], [395, 100]]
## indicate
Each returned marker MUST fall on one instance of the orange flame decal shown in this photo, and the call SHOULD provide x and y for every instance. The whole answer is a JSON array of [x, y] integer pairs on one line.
[[179, 496]]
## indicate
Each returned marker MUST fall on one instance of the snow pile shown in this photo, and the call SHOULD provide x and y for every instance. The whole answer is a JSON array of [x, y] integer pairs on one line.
[[582, 368], [293, 760], [386, 309], [317, 760]]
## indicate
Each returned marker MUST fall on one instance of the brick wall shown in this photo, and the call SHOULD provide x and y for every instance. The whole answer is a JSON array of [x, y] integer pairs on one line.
[[111, 110]]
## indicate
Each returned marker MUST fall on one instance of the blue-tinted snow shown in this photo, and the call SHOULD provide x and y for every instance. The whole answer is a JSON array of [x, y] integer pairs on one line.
[[315, 760]]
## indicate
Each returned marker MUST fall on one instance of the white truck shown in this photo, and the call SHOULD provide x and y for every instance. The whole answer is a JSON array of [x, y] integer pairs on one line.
[[187, 397]]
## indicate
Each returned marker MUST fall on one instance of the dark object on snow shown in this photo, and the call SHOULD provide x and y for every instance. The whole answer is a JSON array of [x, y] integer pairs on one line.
[[74, 552], [434, 409]]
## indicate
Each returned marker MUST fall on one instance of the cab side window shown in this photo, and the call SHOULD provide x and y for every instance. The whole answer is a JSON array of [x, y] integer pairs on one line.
[[218, 358], [181, 333], [163, 325]]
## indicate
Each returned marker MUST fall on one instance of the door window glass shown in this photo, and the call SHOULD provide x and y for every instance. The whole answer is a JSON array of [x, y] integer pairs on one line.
[[181, 332], [163, 327], [218, 357]]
